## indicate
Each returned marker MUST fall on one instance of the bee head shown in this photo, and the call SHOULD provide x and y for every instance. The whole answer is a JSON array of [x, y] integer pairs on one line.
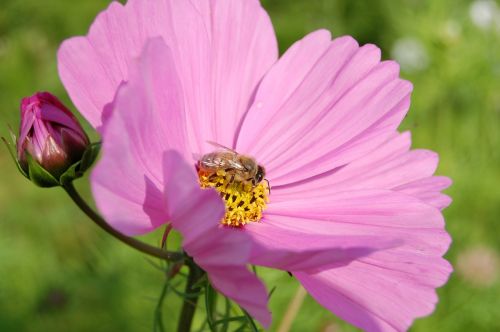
[[259, 176]]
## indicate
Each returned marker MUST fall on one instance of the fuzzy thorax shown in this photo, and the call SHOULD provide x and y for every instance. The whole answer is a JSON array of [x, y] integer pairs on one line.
[[244, 202]]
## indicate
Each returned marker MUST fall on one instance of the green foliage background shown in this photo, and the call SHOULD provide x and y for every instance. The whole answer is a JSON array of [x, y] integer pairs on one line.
[[59, 273]]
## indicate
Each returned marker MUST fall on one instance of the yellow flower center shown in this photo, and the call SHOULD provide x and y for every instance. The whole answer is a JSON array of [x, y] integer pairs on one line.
[[244, 202]]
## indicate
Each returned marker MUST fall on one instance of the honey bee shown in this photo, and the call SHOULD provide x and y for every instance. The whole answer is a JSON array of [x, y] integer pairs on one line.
[[241, 168]]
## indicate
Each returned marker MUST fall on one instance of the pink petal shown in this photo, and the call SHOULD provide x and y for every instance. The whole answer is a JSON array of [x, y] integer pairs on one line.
[[381, 213], [429, 190], [376, 295], [27, 121], [244, 288], [220, 49], [293, 250], [387, 208], [244, 47], [127, 182], [222, 252], [391, 166], [336, 103], [92, 67], [387, 289], [194, 212]]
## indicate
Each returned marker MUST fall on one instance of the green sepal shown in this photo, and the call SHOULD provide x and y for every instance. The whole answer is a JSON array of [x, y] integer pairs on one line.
[[77, 170], [38, 175], [71, 174], [89, 156], [12, 154]]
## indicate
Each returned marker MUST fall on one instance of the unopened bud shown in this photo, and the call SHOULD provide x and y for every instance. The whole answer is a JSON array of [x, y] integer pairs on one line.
[[50, 136]]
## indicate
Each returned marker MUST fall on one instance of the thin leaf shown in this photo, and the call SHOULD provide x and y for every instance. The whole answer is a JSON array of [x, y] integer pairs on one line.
[[271, 293], [210, 304], [186, 296], [159, 326], [227, 313], [242, 327], [12, 135], [12, 154], [253, 326], [168, 285], [155, 264], [231, 319], [201, 282]]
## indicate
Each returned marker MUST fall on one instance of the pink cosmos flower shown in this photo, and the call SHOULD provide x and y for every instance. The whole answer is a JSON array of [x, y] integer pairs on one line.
[[354, 214]]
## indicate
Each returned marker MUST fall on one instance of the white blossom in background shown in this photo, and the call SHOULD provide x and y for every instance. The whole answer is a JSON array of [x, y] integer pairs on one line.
[[411, 54], [484, 14], [478, 266]]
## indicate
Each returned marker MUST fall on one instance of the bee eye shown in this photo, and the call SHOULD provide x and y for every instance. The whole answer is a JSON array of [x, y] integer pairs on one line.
[[260, 174]]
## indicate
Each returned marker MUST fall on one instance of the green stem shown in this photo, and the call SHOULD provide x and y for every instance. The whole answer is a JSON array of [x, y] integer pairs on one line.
[[189, 305], [130, 241]]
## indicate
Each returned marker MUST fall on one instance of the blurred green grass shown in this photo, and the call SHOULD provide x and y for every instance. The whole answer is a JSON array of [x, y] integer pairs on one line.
[[59, 273]]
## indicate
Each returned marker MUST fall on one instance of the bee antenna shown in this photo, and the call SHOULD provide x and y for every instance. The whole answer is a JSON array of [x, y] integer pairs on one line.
[[268, 186]]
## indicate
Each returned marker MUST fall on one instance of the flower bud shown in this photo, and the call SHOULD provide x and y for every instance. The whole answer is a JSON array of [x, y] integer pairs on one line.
[[49, 135]]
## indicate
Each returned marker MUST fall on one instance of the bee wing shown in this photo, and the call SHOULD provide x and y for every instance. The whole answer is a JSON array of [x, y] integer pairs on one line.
[[223, 163], [236, 165], [212, 163], [221, 146], [226, 162]]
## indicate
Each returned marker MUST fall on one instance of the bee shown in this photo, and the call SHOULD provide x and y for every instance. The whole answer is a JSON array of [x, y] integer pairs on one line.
[[241, 168]]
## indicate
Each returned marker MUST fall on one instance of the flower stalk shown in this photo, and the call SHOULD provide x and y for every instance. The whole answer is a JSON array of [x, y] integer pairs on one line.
[[130, 241]]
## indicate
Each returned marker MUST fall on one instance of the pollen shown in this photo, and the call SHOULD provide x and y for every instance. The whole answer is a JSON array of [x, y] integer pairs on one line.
[[244, 202]]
